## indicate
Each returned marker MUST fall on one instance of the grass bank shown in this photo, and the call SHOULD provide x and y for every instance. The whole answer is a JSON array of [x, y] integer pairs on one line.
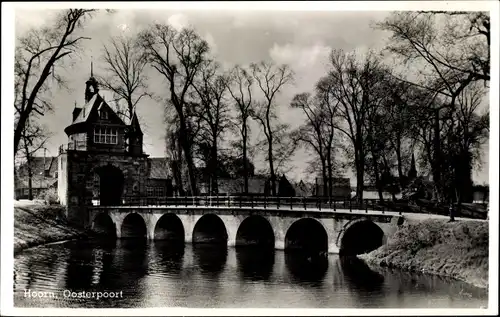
[[36, 224], [457, 249]]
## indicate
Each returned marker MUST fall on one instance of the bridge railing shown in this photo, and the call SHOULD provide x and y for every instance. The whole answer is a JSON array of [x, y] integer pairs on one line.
[[303, 203]]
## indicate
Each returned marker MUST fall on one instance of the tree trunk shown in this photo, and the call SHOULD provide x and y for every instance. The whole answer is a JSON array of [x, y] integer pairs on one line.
[[387, 170], [271, 168], [378, 182], [186, 146], [430, 158], [30, 185], [466, 184], [400, 163], [29, 167], [360, 173], [359, 183], [436, 172], [179, 180], [330, 173], [213, 171], [324, 175], [245, 165]]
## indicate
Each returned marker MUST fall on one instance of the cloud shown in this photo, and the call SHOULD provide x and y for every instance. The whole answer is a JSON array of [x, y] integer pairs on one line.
[[300, 57], [123, 20], [178, 21], [307, 62], [26, 20], [211, 43]]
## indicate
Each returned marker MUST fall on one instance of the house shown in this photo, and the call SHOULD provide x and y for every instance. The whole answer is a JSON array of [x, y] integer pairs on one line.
[[159, 178], [341, 188], [304, 189], [39, 186], [235, 186], [481, 194], [43, 177]]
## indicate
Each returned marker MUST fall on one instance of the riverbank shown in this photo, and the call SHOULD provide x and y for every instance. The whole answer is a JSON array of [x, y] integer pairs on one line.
[[37, 224], [435, 246]]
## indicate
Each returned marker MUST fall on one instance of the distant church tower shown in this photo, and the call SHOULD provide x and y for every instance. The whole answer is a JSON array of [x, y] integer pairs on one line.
[[412, 173]]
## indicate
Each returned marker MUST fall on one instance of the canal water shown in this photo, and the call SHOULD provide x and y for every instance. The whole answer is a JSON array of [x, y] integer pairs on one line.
[[159, 274]]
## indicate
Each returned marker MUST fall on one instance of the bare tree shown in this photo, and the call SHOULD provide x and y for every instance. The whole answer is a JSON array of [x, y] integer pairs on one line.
[[450, 51], [212, 111], [471, 132], [178, 56], [355, 86], [329, 106], [455, 47], [317, 132], [37, 54], [270, 79], [240, 88], [33, 139], [125, 76], [174, 149], [310, 133], [396, 109]]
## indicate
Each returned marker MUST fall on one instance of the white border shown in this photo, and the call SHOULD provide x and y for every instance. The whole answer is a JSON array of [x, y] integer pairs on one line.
[[7, 145]]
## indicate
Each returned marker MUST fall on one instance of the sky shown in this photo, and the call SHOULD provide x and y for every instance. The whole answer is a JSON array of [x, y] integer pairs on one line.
[[301, 39]]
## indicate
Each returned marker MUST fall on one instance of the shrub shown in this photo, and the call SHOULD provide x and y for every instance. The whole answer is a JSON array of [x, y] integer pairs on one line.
[[49, 196]]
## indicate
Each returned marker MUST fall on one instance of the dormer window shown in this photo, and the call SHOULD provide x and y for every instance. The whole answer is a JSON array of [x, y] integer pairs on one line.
[[103, 114], [105, 135]]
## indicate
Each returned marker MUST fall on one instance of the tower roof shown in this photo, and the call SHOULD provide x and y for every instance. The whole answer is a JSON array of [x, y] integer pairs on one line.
[[135, 125], [96, 102]]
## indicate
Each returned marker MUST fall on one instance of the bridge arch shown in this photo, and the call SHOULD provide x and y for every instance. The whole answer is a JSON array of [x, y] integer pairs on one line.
[[210, 229], [104, 225], [360, 236], [255, 230], [134, 226], [307, 234], [169, 227]]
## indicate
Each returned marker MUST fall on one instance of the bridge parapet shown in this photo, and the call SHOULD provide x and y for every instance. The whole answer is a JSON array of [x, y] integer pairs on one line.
[[249, 211], [300, 203]]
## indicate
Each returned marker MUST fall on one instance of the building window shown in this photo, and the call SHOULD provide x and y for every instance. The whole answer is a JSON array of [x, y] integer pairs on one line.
[[89, 182], [103, 114], [105, 135], [159, 192], [96, 185], [80, 179]]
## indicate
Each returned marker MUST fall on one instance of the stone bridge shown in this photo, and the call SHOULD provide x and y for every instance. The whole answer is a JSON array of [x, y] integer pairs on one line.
[[339, 231]]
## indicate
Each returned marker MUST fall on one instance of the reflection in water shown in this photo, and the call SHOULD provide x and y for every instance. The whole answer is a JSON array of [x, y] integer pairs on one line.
[[365, 284], [162, 274], [359, 276], [171, 256], [39, 270], [132, 255], [81, 264], [255, 263], [210, 258], [90, 265], [306, 268]]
